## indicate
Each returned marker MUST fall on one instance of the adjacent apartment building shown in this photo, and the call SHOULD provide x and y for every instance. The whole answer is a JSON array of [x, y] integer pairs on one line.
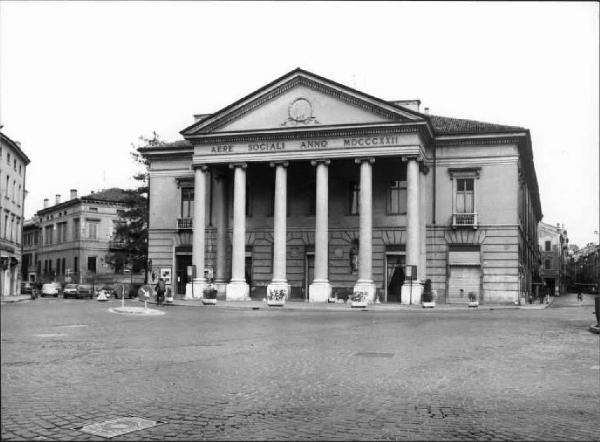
[[13, 165], [318, 189], [69, 240], [554, 251]]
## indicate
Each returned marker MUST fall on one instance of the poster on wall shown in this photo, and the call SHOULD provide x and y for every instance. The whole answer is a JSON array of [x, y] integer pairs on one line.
[[165, 273]]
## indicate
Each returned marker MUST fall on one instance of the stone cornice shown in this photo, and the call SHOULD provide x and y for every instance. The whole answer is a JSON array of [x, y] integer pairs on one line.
[[478, 140]]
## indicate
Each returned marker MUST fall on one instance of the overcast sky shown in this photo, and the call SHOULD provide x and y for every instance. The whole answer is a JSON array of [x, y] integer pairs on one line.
[[80, 81]]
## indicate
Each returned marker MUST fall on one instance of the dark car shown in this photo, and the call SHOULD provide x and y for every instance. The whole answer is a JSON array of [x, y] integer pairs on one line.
[[70, 291], [85, 291], [26, 288]]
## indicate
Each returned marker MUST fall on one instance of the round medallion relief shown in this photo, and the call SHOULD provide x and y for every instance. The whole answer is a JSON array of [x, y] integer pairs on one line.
[[300, 110]]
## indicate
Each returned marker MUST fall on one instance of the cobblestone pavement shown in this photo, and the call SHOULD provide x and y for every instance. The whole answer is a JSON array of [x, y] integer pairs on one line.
[[208, 373]]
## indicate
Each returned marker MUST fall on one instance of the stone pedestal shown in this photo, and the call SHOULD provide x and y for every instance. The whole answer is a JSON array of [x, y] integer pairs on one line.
[[319, 292], [195, 289], [237, 291], [411, 293], [366, 286]]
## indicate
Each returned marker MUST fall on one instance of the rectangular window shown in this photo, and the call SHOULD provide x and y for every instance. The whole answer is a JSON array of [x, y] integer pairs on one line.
[[7, 186], [465, 195], [76, 264], [548, 246], [396, 198], [61, 232], [58, 266], [76, 227], [48, 234], [354, 198], [8, 159], [92, 264], [64, 261], [92, 230], [547, 264], [94, 209], [187, 202]]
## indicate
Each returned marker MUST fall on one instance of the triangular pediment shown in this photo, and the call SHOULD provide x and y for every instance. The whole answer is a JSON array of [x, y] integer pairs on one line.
[[300, 99]]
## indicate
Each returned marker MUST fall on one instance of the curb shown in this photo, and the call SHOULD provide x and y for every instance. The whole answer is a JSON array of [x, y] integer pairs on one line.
[[595, 329]]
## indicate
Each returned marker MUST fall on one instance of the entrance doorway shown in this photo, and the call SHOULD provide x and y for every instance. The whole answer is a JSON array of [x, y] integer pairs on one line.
[[309, 272], [181, 263], [394, 275]]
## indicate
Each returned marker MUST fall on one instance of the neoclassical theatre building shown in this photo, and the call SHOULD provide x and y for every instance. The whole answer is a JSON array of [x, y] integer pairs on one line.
[[319, 189]]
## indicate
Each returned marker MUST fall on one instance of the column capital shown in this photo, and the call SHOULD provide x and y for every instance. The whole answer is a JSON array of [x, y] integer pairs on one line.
[[202, 167], [315, 162], [418, 158], [234, 165], [279, 163], [362, 160]]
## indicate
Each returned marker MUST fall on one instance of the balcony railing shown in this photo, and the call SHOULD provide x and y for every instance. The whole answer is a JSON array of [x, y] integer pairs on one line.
[[184, 223], [464, 220]]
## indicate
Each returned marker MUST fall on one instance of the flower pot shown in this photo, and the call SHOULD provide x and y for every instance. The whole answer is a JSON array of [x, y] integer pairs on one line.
[[209, 301], [430, 304], [358, 304], [473, 304], [275, 302]]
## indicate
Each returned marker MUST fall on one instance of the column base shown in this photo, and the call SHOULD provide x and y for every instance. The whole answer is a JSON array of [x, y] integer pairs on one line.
[[411, 293], [366, 286], [195, 289], [237, 291], [319, 292]]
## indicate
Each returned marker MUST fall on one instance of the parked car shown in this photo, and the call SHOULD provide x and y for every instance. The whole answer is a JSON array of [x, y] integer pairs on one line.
[[85, 291], [26, 288], [70, 291], [50, 289]]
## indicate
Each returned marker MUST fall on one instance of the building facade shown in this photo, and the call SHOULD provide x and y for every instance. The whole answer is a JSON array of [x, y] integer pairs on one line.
[[69, 241], [13, 165], [584, 268], [554, 252], [315, 188]]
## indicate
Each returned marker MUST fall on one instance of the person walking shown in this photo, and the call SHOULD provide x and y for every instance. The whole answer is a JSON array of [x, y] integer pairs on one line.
[[579, 294], [160, 291]]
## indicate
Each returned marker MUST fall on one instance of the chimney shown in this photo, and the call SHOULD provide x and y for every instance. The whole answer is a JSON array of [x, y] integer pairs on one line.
[[73, 194], [58, 198], [46, 203], [426, 111], [198, 117]]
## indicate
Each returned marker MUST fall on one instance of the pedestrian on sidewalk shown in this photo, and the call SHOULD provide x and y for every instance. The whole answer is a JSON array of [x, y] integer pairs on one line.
[[579, 294], [160, 291]]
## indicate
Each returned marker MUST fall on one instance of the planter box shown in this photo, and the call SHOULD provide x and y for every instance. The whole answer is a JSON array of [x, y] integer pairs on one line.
[[429, 304], [275, 302], [209, 301], [358, 304], [473, 304]]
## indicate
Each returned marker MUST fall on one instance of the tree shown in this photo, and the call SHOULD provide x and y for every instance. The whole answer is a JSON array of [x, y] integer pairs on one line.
[[131, 232]]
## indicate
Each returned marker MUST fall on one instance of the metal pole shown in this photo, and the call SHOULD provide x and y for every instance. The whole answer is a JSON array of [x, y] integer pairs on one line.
[[122, 295]]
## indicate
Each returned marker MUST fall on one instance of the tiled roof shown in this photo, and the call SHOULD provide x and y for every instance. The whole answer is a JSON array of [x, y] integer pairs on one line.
[[113, 194], [458, 126]]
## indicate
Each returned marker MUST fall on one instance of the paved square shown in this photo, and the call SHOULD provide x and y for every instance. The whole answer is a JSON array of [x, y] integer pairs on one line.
[[219, 373], [117, 427]]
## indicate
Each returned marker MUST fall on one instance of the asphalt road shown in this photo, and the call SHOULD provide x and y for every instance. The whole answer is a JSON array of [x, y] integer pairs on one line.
[[208, 373]]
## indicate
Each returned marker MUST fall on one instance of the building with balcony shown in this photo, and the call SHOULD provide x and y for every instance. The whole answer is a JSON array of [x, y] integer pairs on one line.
[[554, 255], [69, 241], [318, 189], [13, 165]]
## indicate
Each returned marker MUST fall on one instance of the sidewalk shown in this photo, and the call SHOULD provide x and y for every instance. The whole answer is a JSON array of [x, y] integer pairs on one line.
[[341, 307], [15, 298]]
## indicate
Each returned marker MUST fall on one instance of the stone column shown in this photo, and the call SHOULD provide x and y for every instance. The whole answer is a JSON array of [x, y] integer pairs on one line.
[[411, 292], [198, 233], [365, 245], [279, 281], [221, 222], [237, 289], [423, 224], [320, 289]]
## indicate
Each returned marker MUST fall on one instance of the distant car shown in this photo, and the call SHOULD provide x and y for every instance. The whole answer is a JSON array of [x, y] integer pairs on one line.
[[50, 289], [26, 288], [70, 291], [85, 291]]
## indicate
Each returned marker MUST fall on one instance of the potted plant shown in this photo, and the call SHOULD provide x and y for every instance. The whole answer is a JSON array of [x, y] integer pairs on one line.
[[427, 298], [209, 295], [473, 300], [359, 299], [276, 297]]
